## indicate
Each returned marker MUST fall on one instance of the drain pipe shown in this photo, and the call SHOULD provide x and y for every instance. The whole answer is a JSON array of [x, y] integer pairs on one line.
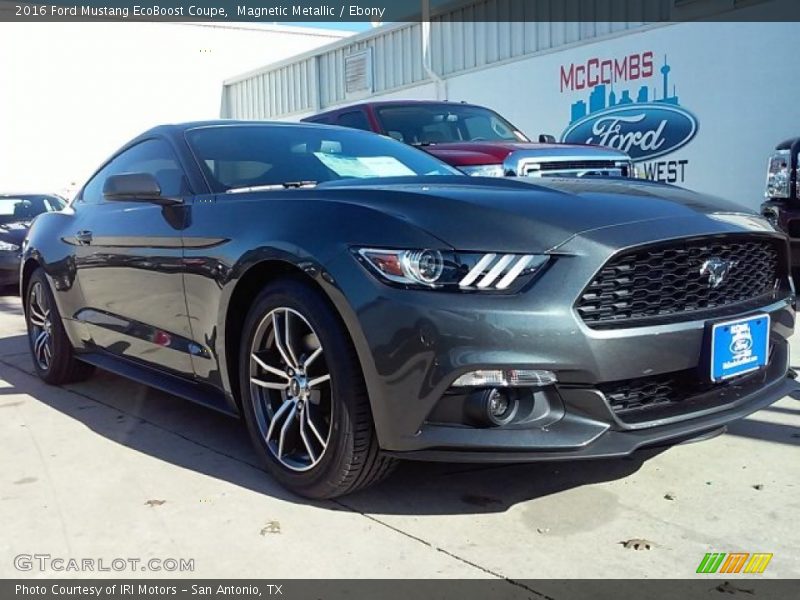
[[427, 63]]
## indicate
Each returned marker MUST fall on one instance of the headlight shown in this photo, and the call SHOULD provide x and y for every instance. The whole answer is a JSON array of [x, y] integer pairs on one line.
[[638, 172], [8, 247], [627, 168], [779, 179], [484, 170], [452, 270]]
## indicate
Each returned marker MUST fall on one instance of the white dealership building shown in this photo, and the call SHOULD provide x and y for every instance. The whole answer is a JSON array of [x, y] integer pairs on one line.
[[699, 104]]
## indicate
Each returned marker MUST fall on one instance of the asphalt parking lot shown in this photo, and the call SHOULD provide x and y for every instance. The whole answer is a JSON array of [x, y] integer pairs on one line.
[[110, 468]]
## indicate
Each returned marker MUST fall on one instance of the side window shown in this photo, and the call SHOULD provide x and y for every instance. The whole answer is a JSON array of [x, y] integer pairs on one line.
[[355, 120], [151, 156]]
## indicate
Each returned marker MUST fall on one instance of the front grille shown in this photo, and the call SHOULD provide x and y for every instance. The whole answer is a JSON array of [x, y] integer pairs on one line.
[[634, 400], [575, 167], [648, 392], [660, 283], [577, 164]]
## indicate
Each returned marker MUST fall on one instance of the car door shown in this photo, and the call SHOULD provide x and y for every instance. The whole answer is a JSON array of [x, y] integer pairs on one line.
[[128, 258]]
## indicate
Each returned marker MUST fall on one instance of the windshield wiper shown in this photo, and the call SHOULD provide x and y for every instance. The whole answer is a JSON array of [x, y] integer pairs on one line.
[[272, 186]]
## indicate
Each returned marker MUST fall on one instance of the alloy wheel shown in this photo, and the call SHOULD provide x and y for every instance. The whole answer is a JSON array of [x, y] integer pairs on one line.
[[41, 326], [290, 387]]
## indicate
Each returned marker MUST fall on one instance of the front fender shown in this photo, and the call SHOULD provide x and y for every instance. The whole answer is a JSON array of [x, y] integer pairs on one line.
[[238, 251], [46, 246]]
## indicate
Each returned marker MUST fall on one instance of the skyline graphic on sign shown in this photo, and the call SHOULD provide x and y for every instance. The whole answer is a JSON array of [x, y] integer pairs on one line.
[[604, 96]]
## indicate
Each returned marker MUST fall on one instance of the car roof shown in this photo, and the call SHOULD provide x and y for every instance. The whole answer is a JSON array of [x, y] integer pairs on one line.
[[176, 131], [179, 128], [385, 103]]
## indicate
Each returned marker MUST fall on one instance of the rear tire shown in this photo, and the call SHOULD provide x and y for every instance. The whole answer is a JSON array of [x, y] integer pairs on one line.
[[308, 415], [53, 356]]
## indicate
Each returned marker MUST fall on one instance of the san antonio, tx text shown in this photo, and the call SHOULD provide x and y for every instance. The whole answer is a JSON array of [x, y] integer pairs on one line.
[[130, 589]]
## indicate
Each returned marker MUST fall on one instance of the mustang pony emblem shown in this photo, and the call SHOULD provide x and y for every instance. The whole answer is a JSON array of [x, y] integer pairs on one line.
[[717, 270]]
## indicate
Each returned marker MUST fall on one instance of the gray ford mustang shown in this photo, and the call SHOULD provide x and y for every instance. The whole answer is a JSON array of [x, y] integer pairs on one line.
[[356, 301]]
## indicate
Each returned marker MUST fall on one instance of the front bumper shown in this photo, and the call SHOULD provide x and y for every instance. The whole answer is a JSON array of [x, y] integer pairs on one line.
[[9, 268], [785, 215], [413, 344], [578, 435]]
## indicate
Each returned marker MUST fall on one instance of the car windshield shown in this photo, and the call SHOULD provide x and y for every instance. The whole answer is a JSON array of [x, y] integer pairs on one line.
[[250, 156], [15, 209], [425, 124]]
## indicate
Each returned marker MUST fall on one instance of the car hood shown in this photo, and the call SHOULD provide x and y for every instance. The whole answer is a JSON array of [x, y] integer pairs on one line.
[[491, 214], [14, 233], [485, 153]]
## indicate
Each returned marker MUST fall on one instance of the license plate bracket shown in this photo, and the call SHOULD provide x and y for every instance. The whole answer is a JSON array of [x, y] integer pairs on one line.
[[739, 346]]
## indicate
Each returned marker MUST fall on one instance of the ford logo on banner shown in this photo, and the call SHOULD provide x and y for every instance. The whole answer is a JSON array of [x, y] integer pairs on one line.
[[644, 131]]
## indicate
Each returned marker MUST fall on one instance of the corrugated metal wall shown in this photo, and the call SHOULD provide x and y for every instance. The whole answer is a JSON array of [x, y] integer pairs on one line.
[[478, 35]]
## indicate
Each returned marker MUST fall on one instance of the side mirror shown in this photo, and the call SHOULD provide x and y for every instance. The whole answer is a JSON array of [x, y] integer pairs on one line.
[[135, 187], [546, 138]]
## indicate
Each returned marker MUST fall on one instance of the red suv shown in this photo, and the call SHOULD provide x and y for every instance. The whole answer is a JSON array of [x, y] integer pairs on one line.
[[477, 140]]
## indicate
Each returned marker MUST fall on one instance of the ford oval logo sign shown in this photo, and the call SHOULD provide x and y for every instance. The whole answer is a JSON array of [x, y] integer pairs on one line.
[[644, 131]]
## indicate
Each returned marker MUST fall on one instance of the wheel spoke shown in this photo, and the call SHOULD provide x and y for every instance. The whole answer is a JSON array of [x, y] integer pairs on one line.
[[268, 368], [276, 331], [37, 300], [36, 316], [314, 430], [48, 354], [38, 345], [311, 358], [39, 339], [317, 380], [278, 414], [288, 339], [309, 449], [285, 428], [269, 384]]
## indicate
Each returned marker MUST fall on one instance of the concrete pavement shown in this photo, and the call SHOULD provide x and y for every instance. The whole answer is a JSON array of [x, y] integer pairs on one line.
[[111, 469]]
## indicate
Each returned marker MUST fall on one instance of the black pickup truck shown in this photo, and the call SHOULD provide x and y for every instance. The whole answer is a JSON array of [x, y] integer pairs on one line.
[[782, 206]]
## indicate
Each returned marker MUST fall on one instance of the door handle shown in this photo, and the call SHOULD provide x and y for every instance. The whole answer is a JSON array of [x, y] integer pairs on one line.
[[84, 237]]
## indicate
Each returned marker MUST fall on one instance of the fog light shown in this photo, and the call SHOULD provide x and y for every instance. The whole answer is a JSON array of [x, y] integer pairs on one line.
[[492, 407], [506, 378], [497, 404]]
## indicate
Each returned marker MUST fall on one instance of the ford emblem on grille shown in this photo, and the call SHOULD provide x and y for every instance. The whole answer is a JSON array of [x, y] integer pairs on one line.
[[717, 270]]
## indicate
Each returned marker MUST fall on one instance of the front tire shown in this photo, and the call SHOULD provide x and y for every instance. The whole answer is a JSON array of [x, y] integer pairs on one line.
[[52, 353], [303, 395]]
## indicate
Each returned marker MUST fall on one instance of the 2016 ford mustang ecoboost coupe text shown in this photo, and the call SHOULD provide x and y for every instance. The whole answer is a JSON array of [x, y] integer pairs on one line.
[[357, 300]]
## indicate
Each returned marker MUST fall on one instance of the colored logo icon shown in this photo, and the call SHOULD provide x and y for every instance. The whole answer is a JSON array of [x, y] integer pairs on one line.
[[734, 562]]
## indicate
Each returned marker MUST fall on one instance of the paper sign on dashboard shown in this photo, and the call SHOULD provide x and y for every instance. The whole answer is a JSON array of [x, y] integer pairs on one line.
[[364, 166]]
